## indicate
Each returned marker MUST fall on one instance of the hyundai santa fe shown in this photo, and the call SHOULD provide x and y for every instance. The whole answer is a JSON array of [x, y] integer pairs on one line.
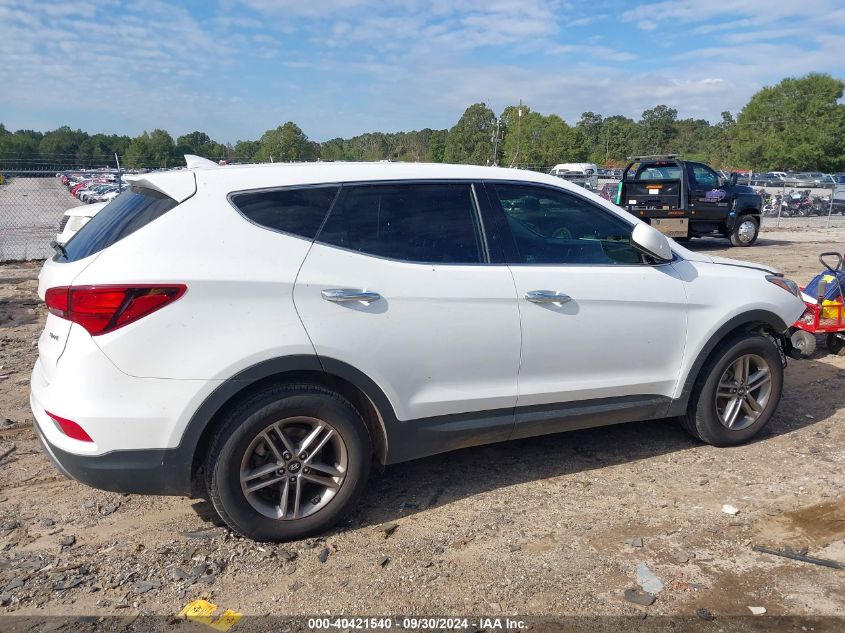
[[264, 334]]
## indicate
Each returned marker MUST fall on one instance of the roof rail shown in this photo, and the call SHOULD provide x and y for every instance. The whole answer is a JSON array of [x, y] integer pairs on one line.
[[654, 157]]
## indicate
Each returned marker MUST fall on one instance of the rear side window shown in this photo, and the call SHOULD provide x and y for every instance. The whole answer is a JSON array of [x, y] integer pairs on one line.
[[426, 223], [297, 211], [134, 208]]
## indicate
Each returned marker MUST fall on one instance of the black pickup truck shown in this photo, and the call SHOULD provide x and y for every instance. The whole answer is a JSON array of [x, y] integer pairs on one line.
[[685, 199]]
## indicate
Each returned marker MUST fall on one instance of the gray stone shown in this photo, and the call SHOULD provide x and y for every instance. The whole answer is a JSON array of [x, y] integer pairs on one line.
[[14, 584], [324, 555], [647, 580], [67, 541], [143, 586], [639, 597]]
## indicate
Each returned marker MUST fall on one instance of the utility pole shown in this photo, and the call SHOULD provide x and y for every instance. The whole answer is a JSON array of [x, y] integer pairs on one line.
[[515, 161], [495, 140]]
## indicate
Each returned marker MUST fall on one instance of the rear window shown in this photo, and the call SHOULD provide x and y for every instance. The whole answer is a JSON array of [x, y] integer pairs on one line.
[[134, 208], [299, 211], [659, 172]]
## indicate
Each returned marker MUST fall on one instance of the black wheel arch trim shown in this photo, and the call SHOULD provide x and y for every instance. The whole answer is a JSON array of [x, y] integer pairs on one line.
[[185, 453], [745, 319]]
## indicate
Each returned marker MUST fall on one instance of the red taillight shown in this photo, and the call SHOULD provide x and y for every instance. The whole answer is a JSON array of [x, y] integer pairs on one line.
[[70, 428], [102, 309]]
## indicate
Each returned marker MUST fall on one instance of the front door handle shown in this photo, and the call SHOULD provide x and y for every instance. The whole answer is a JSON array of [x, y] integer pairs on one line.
[[341, 295], [547, 296]]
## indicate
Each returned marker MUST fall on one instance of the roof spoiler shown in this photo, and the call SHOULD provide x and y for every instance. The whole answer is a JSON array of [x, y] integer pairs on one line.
[[198, 162], [179, 185]]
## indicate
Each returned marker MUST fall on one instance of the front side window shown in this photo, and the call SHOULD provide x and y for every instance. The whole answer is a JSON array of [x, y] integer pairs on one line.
[[299, 211], [434, 222], [704, 177], [556, 227]]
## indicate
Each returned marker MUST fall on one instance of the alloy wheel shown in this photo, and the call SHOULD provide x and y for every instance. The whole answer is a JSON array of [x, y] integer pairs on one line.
[[293, 468], [743, 392]]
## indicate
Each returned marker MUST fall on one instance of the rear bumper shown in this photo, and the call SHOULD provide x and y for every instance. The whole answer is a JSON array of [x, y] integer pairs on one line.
[[150, 471]]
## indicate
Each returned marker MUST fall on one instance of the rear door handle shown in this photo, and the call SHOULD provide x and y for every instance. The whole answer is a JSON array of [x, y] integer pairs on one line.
[[547, 296], [341, 295]]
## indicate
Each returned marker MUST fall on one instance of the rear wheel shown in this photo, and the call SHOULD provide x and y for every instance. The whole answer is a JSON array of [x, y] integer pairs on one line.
[[745, 231], [288, 462], [737, 391], [835, 345]]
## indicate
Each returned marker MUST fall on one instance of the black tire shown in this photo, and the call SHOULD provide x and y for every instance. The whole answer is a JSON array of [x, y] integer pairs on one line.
[[702, 418], [804, 342], [835, 345], [246, 421], [740, 237]]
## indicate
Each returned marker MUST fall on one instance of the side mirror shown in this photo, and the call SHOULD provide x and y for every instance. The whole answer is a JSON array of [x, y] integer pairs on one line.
[[733, 179], [652, 242]]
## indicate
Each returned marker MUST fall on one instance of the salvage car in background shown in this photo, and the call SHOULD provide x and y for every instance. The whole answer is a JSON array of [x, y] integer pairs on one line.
[[75, 218]]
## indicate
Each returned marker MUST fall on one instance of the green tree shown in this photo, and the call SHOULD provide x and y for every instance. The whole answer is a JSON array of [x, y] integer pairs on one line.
[[797, 124], [245, 151], [285, 143], [720, 143], [590, 126], [617, 140], [657, 129], [523, 137], [470, 140], [436, 152], [562, 143], [61, 145], [139, 154], [163, 149]]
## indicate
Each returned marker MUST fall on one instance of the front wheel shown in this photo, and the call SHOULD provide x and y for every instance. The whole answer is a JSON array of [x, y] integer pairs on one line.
[[804, 342], [288, 462], [737, 391], [745, 231]]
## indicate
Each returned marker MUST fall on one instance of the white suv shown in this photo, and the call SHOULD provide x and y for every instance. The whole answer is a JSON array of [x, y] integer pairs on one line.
[[261, 334]]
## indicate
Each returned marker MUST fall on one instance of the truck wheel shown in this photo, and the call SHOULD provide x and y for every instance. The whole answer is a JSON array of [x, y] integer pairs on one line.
[[804, 342], [745, 231], [835, 345], [737, 391]]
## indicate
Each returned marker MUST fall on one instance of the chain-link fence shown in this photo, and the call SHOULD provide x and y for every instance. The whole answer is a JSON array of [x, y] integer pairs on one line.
[[32, 206]]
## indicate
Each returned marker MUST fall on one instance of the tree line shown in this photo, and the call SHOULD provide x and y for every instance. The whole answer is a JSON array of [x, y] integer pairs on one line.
[[798, 124]]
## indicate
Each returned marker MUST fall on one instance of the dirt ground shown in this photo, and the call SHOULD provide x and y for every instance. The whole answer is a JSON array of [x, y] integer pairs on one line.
[[534, 527]]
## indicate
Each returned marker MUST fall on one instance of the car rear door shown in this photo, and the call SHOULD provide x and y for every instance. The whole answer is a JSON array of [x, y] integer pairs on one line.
[[601, 327], [399, 285]]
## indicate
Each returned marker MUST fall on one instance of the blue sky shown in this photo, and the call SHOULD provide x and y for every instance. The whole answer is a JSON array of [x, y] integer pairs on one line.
[[234, 68]]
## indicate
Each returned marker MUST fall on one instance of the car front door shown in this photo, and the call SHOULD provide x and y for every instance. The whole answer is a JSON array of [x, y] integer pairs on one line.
[[708, 200], [603, 329], [399, 285]]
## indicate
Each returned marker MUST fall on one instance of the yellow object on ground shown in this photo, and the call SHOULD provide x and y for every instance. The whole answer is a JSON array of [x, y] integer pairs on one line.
[[203, 611]]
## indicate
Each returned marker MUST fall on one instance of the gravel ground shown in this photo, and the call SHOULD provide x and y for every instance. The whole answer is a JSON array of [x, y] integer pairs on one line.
[[553, 526], [30, 210]]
